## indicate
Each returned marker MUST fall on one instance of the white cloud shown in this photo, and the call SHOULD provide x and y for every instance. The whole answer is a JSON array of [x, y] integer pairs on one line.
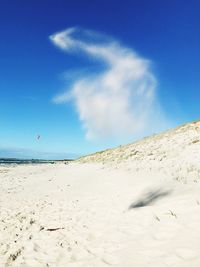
[[120, 100]]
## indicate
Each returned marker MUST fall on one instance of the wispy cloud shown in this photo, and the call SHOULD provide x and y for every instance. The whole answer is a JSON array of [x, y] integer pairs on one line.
[[119, 100]]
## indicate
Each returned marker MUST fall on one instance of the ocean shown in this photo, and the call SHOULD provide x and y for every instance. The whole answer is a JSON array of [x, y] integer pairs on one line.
[[5, 161]]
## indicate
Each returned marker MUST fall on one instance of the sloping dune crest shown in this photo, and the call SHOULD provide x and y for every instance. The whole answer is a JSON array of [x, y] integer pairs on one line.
[[175, 152]]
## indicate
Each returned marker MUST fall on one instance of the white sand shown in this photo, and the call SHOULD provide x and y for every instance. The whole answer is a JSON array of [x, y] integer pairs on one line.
[[133, 212]]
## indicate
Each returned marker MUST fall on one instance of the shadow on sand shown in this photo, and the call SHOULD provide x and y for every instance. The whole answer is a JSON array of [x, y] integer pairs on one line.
[[149, 198]]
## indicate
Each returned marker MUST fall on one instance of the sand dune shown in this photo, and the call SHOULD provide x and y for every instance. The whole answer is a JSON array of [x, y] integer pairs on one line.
[[136, 205], [175, 152]]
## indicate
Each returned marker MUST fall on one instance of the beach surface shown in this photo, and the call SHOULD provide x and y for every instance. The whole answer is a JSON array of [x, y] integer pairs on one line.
[[89, 215], [116, 211]]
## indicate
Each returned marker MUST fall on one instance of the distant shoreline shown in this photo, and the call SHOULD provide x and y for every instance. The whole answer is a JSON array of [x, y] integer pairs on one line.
[[30, 161]]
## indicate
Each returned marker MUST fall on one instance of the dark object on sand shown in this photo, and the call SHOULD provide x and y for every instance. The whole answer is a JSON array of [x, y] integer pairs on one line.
[[54, 229], [149, 198]]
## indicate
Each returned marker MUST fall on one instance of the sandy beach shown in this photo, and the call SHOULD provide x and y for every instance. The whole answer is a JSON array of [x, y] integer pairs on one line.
[[105, 210], [100, 133]]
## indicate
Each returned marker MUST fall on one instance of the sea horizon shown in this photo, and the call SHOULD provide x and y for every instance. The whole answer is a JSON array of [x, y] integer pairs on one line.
[[29, 161]]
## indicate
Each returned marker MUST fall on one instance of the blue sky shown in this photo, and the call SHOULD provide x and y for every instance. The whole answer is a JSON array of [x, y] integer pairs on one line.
[[39, 77]]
